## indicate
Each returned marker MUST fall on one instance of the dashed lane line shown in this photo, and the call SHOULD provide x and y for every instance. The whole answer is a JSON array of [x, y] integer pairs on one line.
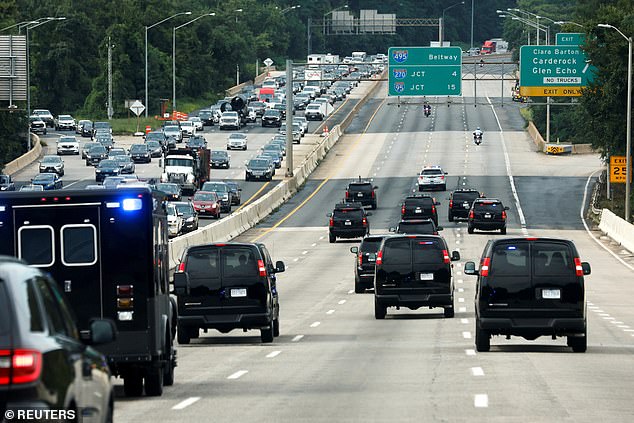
[[477, 371], [315, 324], [238, 374], [185, 403], [297, 338], [273, 354], [481, 401]]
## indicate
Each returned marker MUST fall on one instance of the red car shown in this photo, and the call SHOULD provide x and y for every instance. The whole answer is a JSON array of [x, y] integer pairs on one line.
[[206, 204]]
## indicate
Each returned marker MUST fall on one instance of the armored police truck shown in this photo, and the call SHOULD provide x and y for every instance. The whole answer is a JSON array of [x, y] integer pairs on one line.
[[108, 250]]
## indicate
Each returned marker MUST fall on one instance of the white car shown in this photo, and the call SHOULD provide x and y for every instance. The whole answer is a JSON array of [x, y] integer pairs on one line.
[[198, 123], [174, 221], [297, 135], [237, 141], [303, 123], [67, 144], [314, 111], [46, 116], [251, 115], [65, 123], [189, 128], [432, 177], [229, 120]]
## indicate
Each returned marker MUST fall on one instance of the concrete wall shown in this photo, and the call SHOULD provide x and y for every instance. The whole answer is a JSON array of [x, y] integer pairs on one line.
[[236, 88], [617, 229], [26, 159], [540, 143]]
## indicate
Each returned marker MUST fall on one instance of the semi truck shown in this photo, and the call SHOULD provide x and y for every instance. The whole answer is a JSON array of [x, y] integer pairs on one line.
[[186, 167], [108, 251]]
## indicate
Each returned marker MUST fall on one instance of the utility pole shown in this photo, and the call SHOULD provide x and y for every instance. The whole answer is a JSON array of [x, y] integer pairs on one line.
[[308, 36], [289, 118], [237, 73], [110, 109]]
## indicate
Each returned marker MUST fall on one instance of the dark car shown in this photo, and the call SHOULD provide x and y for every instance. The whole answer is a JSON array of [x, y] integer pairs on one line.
[[44, 363], [274, 156], [220, 158], [487, 214], [207, 117], [48, 181], [223, 192], [126, 164], [86, 129], [6, 183], [280, 107], [419, 206], [96, 154], [140, 153], [414, 271], [155, 147], [107, 167], [207, 204], [186, 211], [272, 117], [157, 136], [105, 139], [259, 168], [530, 287], [227, 286], [365, 261], [86, 147], [417, 226], [460, 202], [171, 190], [348, 220], [102, 126], [362, 191], [235, 191], [197, 141]]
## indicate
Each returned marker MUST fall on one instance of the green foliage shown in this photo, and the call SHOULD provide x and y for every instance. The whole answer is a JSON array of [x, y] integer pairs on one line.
[[13, 142]]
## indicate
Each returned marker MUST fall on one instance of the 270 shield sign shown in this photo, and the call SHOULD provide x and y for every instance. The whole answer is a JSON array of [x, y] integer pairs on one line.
[[399, 73], [399, 56]]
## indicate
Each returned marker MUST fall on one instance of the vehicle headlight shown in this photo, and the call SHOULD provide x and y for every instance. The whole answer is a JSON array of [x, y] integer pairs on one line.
[[190, 219], [97, 170]]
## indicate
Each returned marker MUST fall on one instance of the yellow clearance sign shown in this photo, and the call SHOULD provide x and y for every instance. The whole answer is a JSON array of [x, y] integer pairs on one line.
[[550, 91], [618, 169]]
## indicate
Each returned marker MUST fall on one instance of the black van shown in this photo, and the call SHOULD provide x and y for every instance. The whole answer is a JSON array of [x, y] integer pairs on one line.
[[365, 261], [530, 287], [414, 271], [225, 287]]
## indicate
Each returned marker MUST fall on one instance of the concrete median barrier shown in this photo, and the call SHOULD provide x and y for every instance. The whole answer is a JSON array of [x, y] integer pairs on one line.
[[26, 159], [617, 229]]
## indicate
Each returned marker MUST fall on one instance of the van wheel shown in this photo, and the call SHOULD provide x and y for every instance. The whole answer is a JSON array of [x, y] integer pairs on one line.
[[449, 312], [276, 327], [133, 385], [482, 340], [168, 372], [332, 238], [578, 343], [379, 310], [470, 229], [154, 382], [503, 231], [450, 217], [266, 335], [182, 335], [358, 289]]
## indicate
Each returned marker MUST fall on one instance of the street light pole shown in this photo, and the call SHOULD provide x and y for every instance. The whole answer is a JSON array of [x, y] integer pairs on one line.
[[323, 21], [442, 22], [174, 56], [147, 106], [471, 23], [628, 126]]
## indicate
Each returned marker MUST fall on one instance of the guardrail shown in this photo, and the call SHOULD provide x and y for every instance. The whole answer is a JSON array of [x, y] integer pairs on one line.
[[617, 229], [26, 159]]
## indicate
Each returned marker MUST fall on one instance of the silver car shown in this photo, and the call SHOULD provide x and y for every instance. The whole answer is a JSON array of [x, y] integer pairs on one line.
[[173, 131], [237, 141], [52, 164]]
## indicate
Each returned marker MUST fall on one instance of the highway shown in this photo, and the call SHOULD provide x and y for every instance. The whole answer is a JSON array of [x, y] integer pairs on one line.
[[334, 362]]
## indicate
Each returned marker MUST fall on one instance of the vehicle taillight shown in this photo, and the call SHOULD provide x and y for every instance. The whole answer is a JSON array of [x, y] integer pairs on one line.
[[484, 266], [403, 210], [433, 209], [347, 194], [578, 267], [181, 267], [360, 259], [332, 222], [372, 194], [445, 257], [365, 221], [471, 214], [379, 258], [503, 215], [261, 268], [450, 203], [20, 366]]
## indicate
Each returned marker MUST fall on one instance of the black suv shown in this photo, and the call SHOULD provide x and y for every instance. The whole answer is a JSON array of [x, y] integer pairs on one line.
[[365, 262], [220, 158], [272, 117], [140, 153], [362, 191], [460, 202], [348, 220], [487, 214], [227, 286], [44, 362], [530, 287], [414, 271], [417, 226], [419, 206]]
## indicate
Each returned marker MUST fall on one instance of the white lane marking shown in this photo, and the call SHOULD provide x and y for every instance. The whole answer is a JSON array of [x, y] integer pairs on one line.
[[592, 307], [351, 291], [466, 335], [604, 314], [186, 403], [598, 311], [470, 352], [238, 374], [461, 300], [460, 289], [462, 310], [628, 330], [297, 338], [296, 259], [273, 354], [507, 160], [477, 371], [313, 244], [330, 311], [315, 324], [464, 321], [481, 401], [608, 318], [341, 302], [623, 326], [616, 323], [304, 252], [321, 237]]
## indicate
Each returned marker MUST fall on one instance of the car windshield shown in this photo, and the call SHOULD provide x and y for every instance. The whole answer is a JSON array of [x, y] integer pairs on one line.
[[370, 245], [153, 144], [230, 115], [360, 187], [51, 159], [219, 154], [465, 196], [68, 139], [4, 179], [183, 208], [122, 158], [138, 148], [155, 136], [258, 164], [187, 123], [108, 164], [171, 161], [214, 186], [205, 196], [431, 172], [44, 177], [98, 149], [237, 136], [488, 206], [171, 129], [168, 188], [348, 214]]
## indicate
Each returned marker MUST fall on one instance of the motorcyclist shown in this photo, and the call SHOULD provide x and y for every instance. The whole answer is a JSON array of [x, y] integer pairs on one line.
[[477, 134], [426, 109]]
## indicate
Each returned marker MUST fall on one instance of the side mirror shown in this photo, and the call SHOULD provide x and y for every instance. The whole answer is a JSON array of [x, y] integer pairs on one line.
[[329, 215], [181, 283], [506, 208], [102, 331], [455, 255], [469, 268], [239, 189], [161, 162], [436, 203], [279, 267], [446, 173], [392, 229], [375, 187], [354, 250], [439, 228], [586, 268]]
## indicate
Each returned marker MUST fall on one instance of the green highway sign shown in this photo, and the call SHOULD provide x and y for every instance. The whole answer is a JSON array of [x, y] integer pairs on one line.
[[570, 38], [422, 71], [553, 71]]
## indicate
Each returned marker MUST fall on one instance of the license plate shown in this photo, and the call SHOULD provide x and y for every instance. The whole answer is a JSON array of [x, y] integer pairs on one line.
[[241, 292], [551, 294], [418, 211], [426, 276], [487, 215], [466, 205], [347, 223], [359, 194]]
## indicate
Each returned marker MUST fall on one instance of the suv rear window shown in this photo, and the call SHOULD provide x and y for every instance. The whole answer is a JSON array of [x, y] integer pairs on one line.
[[431, 172], [465, 196], [348, 214], [418, 201], [553, 259], [510, 260], [397, 252], [203, 264], [416, 227], [370, 245], [367, 187], [427, 251], [489, 206], [239, 262]]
